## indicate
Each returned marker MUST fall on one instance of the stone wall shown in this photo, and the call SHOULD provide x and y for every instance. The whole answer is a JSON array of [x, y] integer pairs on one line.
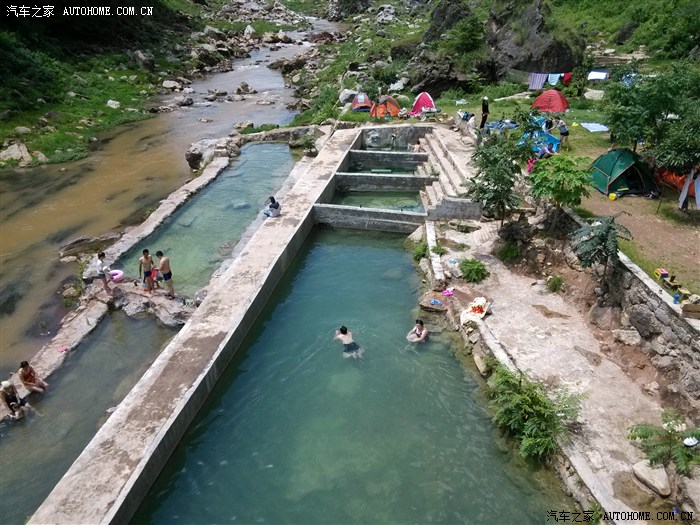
[[672, 341], [367, 218], [378, 182]]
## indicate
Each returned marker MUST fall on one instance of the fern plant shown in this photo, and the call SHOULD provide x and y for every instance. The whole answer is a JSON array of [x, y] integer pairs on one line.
[[524, 411], [420, 251], [473, 271], [597, 242], [664, 445]]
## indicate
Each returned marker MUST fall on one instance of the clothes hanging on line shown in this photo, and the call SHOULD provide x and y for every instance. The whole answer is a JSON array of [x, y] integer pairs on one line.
[[597, 75], [537, 80], [567, 79], [553, 78]]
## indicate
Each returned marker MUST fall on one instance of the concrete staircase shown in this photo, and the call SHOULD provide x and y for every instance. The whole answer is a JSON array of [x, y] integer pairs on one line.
[[450, 159]]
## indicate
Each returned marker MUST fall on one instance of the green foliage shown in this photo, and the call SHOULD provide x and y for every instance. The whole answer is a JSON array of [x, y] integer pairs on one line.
[[509, 252], [439, 250], [524, 411], [420, 251], [473, 271], [554, 283], [663, 444], [465, 41], [642, 109], [259, 129], [579, 75], [324, 108], [496, 171], [560, 180], [597, 242], [679, 147]]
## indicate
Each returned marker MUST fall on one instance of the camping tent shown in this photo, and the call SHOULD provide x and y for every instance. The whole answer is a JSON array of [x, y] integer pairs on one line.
[[361, 102], [551, 101], [622, 172], [422, 103], [386, 105], [674, 181]]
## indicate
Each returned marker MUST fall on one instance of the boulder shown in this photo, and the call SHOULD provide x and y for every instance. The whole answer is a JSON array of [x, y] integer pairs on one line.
[[114, 104], [244, 89], [346, 96], [16, 151], [200, 153], [249, 32], [433, 302], [653, 477], [171, 85], [144, 60], [283, 37], [629, 336], [214, 33], [183, 100], [243, 125], [21, 130], [340, 9], [643, 320], [604, 317]]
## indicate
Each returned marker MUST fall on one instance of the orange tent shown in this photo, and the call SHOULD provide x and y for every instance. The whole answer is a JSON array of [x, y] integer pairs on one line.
[[361, 102], [387, 105]]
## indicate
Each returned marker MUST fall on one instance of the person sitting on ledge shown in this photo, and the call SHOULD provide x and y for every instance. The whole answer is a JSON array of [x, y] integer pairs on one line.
[[30, 379], [273, 209]]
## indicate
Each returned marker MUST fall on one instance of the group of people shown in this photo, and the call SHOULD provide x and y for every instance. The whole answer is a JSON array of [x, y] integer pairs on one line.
[[417, 334], [146, 266], [561, 126], [18, 406]]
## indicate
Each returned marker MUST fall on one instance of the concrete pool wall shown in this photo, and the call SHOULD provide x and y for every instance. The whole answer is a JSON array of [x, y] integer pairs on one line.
[[108, 481]]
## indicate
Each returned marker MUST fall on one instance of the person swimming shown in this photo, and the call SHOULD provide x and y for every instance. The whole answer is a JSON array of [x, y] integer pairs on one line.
[[350, 347]]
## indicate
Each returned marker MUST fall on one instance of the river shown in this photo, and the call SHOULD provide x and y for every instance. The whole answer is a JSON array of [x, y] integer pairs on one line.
[[132, 169]]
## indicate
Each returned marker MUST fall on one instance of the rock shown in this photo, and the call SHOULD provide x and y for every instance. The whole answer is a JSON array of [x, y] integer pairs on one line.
[[244, 89], [21, 130], [114, 104], [653, 477], [346, 95], [249, 32], [628, 336], [16, 151], [144, 60], [399, 85], [283, 37], [691, 487], [199, 296], [264, 102], [200, 153], [594, 94], [604, 317], [183, 100], [651, 388], [171, 85], [433, 302], [340, 9], [71, 292], [40, 157], [386, 14], [243, 125], [214, 33], [643, 320]]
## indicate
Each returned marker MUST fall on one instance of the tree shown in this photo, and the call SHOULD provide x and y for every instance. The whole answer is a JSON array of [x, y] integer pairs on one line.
[[560, 180], [597, 242], [494, 183], [679, 148], [645, 107], [664, 445]]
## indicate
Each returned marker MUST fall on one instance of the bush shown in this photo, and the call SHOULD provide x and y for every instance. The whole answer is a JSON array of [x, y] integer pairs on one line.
[[420, 251], [554, 283], [473, 271], [524, 411], [439, 250], [509, 252]]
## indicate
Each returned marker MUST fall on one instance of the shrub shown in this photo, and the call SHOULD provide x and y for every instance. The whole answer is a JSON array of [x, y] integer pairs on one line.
[[473, 271], [524, 411], [439, 250], [554, 283], [420, 251], [509, 252]]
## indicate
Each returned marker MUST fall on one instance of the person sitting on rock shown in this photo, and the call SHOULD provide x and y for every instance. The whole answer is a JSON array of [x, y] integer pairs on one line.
[[30, 379]]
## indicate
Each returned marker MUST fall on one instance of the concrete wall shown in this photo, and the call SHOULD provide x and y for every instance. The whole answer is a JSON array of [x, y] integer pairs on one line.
[[367, 218], [403, 136], [455, 208], [362, 160], [380, 182]]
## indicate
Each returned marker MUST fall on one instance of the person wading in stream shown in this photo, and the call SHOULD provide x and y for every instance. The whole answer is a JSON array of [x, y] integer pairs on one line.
[[146, 263], [166, 272]]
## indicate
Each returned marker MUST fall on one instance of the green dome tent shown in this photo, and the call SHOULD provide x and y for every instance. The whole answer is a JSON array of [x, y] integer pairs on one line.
[[622, 172]]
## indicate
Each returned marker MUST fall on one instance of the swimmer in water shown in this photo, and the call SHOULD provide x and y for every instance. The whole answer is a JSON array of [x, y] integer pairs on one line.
[[418, 333], [350, 347]]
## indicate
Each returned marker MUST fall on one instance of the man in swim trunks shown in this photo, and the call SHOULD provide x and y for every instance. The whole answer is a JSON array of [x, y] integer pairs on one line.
[[146, 263], [350, 347], [17, 406], [166, 272], [30, 379]]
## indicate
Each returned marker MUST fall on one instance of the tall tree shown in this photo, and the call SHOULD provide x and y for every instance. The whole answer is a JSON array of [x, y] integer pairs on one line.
[[561, 181], [598, 241]]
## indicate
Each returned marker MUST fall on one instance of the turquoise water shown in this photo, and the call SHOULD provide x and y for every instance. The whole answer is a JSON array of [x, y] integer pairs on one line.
[[203, 232], [296, 433], [37, 451], [392, 200]]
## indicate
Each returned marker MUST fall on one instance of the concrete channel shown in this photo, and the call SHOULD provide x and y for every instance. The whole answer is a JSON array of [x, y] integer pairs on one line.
[[107, 482]]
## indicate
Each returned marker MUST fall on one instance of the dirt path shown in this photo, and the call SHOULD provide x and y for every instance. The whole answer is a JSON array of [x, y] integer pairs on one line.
[[662, 242]]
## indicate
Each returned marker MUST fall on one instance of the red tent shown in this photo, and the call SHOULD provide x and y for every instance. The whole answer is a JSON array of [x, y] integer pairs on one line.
[[423, 103], [551, 101]]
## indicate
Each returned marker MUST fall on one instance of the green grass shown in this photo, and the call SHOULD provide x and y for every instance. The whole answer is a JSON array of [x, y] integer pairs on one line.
[[258, 129], [555, 283], [583, 212], [508, 252]]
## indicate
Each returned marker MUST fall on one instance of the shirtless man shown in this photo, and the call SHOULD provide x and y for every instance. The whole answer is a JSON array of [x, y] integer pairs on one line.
[[350, 347], [146, 263], [166, 272], [30, 379]]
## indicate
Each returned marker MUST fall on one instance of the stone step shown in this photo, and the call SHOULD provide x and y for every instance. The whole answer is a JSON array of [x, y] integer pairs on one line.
[[447, 173], [432, 197], [425, 200]]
